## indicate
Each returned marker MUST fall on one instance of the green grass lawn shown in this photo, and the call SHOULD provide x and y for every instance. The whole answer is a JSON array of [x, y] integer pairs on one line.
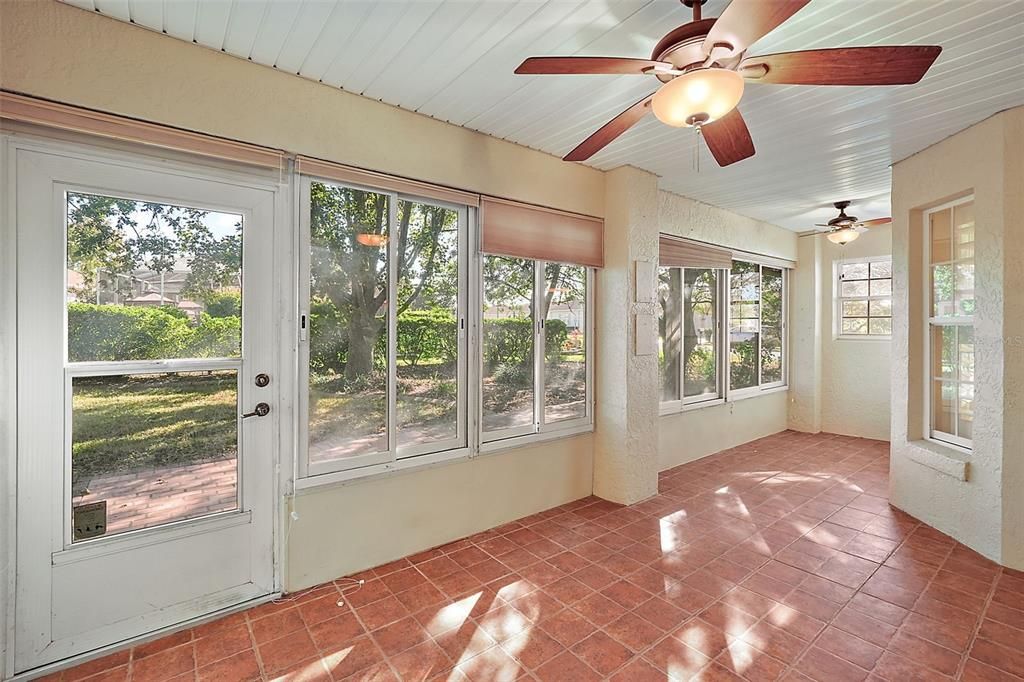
[[125, 423]]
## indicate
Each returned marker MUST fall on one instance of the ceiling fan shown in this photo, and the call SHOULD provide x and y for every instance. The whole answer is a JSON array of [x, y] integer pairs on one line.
[[843, 229], [702, 66]]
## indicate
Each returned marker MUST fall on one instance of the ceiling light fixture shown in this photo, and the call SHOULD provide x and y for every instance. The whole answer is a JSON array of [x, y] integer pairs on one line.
[[698, 97], [843, 235], [368, 239]]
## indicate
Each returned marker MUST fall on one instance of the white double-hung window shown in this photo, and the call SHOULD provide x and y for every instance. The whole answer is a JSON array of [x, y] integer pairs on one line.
[[949, 240]]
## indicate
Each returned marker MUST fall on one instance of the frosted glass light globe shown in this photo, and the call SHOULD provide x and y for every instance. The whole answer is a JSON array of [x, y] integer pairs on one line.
[[844, 235], [703, 95]]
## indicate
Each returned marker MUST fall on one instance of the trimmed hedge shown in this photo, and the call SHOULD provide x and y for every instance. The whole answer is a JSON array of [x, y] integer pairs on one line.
[[114, 332]]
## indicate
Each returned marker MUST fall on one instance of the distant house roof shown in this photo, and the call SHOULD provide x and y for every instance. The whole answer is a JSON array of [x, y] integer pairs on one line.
[[151, 298]]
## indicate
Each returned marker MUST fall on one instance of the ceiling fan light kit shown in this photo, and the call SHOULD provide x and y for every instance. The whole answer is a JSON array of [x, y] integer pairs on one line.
[[702, 66], [843, 235], [697, 97]]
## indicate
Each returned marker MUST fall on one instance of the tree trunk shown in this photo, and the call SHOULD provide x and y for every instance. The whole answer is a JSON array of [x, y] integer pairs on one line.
[[362, 337]]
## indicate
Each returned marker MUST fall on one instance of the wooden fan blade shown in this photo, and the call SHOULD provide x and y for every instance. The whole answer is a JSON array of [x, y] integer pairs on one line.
[[587, 65], [877, 222], [744, 22], [728, 138], [610, 130], [884, 65]]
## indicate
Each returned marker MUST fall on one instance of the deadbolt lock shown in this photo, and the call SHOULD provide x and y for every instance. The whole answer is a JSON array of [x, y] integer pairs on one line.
[[262, 380]]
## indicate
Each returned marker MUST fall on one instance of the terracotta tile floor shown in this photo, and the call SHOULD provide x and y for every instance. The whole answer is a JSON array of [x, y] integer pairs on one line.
[[777, 559]]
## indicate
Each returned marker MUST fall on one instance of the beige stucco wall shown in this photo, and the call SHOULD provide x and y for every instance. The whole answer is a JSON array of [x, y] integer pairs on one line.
[[690, 435], [66, 54], [985, 510], [854, 373], [343, 529]]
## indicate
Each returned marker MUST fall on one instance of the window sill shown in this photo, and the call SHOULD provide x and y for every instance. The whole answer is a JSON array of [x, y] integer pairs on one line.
[[422, 462], [525, 441], [942, 457], [747, 393], [875, 338]]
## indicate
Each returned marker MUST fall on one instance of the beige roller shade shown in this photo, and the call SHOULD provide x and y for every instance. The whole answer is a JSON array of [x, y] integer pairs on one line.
[[373, 180], [513, 229], [53, 115], [676, 252]]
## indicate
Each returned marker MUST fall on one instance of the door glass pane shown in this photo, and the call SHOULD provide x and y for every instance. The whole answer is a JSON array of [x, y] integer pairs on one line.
[[428, 323], [849, 271], [855, 325], [565, 347], [348, 316], [771, 325], [880, 287], [670, 331], [700, 321], [508, 347], [881, 269], [881, 308], [855, 308], [151, 281], [744, 323], [881, 326], [148, 449], [941, 237], [944, 398], [854, 288]]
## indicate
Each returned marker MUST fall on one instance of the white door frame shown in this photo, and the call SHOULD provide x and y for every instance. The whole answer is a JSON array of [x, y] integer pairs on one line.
[[275, 215]]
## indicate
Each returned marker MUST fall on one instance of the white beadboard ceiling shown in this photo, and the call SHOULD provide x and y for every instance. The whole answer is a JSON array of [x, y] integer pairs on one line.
[[453, 60]]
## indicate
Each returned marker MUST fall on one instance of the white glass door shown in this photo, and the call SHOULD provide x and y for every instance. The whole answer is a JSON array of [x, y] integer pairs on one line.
[[146, 398]]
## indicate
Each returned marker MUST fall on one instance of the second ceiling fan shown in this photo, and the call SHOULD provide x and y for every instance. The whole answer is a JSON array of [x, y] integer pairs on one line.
[[703, 67]]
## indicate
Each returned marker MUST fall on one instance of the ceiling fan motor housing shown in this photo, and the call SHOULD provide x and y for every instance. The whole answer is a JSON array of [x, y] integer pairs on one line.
[[683, 48]]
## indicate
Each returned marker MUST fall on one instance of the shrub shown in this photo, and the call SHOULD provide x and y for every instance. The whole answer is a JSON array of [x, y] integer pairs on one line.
[[110, 332], [427, 335], [216, 337], [224, 304], [556, 337], [508, 340]]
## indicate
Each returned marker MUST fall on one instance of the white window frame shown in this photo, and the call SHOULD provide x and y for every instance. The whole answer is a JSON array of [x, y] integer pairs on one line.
[[684, 402], [540, 430], [733, 394], [838, 299], [394, 456], [470, 368], [932, 434]]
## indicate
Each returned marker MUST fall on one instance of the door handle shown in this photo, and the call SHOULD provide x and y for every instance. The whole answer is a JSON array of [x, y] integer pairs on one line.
[[261, 410]]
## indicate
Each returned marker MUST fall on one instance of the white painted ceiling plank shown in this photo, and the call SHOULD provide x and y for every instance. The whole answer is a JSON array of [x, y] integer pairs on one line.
[[117, 9], [273, 31], [243, 26], [147, 13], [212, 23], [180, 19], [303, 34]]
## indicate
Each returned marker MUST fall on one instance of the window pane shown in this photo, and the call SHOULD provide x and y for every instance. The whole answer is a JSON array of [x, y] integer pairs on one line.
[[881, 287], [771, 325], [855, 308], [855, 325], [881, 326], [941, 237], [428, 323], [154, 448], [853, 289], [348, 413], [149, 281], [881, 308], [508, 334], [942, 291], [943, 352], [670, 330], [964, 288], [565, 343], [853, 271], [965, 411], [700, 318], [744, 299], [881, 269], [963, 221], [944, 399]]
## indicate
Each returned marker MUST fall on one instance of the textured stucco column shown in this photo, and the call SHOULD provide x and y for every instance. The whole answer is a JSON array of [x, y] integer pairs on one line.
[[978, 496], [805, 337], [626, 439]]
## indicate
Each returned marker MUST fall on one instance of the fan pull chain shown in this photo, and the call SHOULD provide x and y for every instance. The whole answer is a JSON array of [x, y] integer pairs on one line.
[[696, 149]]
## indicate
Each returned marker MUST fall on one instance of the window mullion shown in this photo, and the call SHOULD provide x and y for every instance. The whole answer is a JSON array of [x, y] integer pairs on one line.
[[539, 292], [682, 339], [392, 368]]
